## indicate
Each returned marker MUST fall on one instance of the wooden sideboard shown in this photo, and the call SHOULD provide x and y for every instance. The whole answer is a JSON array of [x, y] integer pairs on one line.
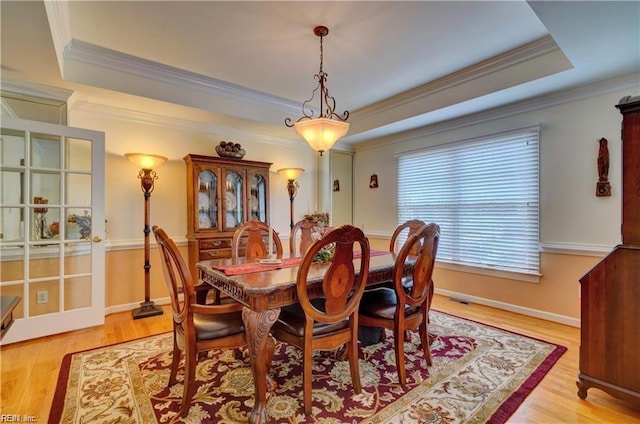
[[7, 306], [610, 292], [222, 194]]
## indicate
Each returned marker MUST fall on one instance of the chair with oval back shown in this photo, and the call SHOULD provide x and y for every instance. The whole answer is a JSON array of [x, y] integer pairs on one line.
[[403, 308], [254, 231], [306, 229], [326, 316], [402, 232], [196, 327], [411, 227]]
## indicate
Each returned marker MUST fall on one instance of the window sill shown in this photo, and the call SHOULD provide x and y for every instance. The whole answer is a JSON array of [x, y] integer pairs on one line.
[[498, 273]]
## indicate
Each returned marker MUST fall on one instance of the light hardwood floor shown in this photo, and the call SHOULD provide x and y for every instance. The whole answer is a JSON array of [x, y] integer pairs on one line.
[[29, 370]]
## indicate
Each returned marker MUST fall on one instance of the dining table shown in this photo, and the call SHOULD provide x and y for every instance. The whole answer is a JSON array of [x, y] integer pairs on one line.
[[264, 289]]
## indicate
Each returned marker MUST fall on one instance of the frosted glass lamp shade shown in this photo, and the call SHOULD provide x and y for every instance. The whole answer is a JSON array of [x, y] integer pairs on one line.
[[146, 161], [321, 133], [291, 174]]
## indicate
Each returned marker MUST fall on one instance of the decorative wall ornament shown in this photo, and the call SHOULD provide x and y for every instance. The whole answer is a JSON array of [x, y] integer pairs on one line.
[[373, 181], [228, 149], [336, 185], [603, 188]]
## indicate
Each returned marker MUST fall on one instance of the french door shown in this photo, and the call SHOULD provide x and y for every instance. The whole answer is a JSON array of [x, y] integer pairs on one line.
[[51, 226]]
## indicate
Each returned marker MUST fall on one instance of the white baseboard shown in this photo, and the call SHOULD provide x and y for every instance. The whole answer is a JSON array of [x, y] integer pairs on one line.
[[562, 319]]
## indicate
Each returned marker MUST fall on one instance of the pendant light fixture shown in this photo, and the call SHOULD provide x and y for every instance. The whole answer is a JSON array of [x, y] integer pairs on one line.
[[323, 131]]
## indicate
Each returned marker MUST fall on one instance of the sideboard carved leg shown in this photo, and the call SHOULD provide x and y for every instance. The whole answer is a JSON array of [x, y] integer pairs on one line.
[[261, 349], [582, 388]]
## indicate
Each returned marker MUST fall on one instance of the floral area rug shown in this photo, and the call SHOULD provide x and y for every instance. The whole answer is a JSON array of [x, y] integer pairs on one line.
[[480, 374]]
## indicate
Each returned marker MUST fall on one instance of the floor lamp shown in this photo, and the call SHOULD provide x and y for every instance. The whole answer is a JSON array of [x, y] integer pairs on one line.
[[291, 174], [147, 176]]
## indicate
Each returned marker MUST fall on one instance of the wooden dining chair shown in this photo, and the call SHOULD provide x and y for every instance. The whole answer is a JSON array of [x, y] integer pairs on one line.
[[326, 316], [196, 327], [404, 308], [254, 232], [306, 228], [409, 227]]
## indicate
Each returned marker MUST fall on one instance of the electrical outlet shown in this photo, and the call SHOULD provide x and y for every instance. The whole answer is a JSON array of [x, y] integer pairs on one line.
[[43, 296]]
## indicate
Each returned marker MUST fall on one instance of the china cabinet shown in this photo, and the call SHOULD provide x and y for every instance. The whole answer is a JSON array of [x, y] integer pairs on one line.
[[610, 292], [222, 194]]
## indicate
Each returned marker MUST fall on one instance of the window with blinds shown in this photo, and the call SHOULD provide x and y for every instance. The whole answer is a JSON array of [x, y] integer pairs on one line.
[[484, 194]]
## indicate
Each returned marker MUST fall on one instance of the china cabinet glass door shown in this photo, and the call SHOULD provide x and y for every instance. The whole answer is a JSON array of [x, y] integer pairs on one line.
[[258, 196], [207, 200], [51, 226], [233, 199]]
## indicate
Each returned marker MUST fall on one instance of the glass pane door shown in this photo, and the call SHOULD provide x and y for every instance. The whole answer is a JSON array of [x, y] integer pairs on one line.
[[51, 227], [233, 199], [207, 200], [258, 196]]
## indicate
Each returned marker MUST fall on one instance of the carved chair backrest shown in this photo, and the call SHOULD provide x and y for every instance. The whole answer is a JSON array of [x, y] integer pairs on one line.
[[177, 276], [410, 227], [306, 229], [254, 231], [425, 241], [341, 288]]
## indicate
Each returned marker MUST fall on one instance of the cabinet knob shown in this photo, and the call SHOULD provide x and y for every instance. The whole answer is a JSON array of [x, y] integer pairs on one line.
[[96, 239]]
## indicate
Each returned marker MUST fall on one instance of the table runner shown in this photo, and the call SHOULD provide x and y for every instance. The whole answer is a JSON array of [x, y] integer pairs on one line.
[[248, 268]]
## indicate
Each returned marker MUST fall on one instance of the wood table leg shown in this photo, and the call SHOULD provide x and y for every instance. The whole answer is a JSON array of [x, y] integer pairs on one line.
[[261, 349]]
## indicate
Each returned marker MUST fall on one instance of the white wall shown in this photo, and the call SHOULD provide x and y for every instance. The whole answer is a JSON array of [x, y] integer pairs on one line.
[[570, 211]]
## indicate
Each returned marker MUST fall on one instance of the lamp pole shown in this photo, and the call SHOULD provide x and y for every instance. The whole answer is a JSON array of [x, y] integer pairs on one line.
[[147, 176], [147, 308], [292, 188]]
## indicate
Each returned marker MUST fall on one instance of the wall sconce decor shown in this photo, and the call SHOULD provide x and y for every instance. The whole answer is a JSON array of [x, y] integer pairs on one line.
[[373, 181], [291, 175], [603, 188], [147, 176], [336, 185], [322, 132]]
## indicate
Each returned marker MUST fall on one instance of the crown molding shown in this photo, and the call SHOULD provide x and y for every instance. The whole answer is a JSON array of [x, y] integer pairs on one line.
[[139, 117], [81, 52], [543, 46], [629, 81], [57, 96], [60, 27]]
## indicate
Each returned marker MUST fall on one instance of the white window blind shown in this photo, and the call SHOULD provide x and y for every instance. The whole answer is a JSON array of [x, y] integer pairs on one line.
[[484, 195]]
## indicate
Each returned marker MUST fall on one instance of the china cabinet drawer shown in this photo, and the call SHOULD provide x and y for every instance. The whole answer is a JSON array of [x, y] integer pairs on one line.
[[215, 244], [215, 254]]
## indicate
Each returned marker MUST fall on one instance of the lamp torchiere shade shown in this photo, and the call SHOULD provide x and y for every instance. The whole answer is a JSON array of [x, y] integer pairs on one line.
[[291, 174], [146, 161]]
